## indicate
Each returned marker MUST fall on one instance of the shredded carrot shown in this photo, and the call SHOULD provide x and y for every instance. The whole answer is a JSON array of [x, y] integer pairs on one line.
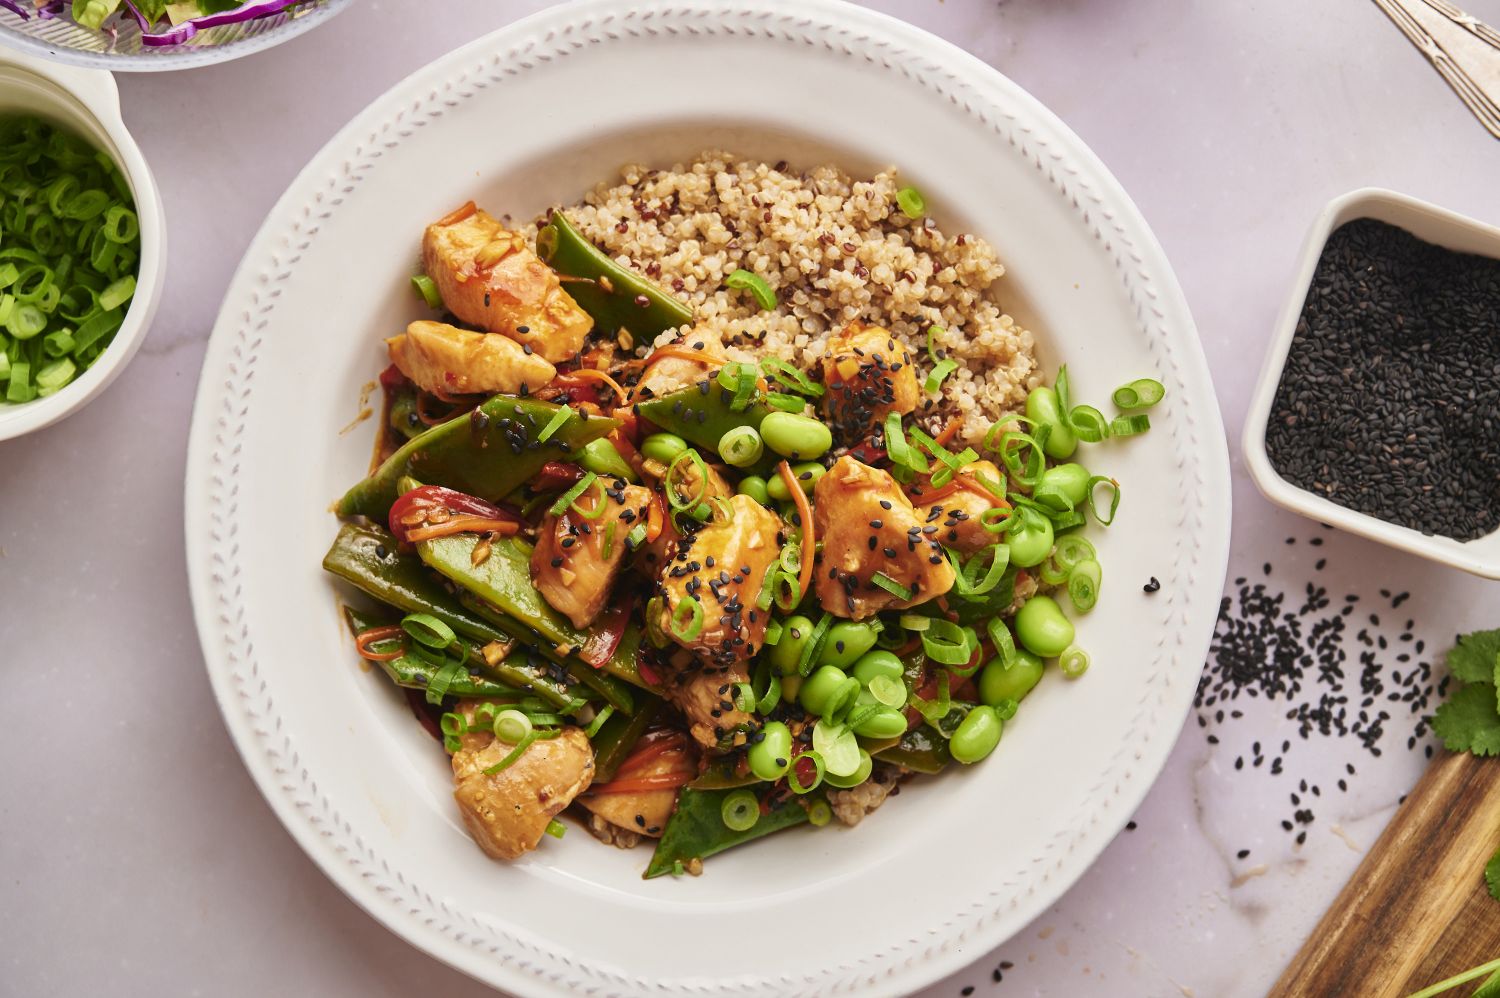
[[589, 374], [684, 353], [656, 517], [464, 525], [973, 485], [364, 639], [643, 784], [949, 432], [458, 214], [627, 449], [804, 512], [649, 748]]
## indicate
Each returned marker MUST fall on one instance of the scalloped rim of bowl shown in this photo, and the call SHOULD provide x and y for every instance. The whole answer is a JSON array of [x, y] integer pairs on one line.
[[177, 57], [1428, 222], [87, 101]]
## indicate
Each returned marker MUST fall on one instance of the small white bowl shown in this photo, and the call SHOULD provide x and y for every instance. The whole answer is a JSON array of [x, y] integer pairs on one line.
[[1428, 222], [87, 101]]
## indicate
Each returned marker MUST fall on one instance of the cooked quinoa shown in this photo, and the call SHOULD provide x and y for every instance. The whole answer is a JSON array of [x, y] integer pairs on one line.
[[835, 250]]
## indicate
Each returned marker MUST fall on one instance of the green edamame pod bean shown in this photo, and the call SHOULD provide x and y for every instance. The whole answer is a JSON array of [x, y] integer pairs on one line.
[[800, 438], [1072, 480], [877, 663], [663, 447], [1042, 629], [807, 475], [796, 632], [790, 686], [977, 735], [1030, 539], [824, 685], [1042, 406], [770, 756], [888, 722], [847, 641], [997, 683], [854, 779], [754, 486]]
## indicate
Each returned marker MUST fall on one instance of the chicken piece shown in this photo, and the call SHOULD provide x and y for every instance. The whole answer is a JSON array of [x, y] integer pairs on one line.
[[704, 694], [444, 359], [867, 525], [867, 373], [660, 551], [666, 374], [488, 277], [576, 560], [957, 512], [508, 812], [723, 567], [644, 812]]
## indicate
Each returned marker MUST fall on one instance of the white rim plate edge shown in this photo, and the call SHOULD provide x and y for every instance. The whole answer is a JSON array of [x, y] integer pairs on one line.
[[222, 405]]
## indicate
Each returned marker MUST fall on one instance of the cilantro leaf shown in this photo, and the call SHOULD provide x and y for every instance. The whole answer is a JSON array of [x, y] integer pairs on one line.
[[1492, 875], [1468, 721], [1472, 660]]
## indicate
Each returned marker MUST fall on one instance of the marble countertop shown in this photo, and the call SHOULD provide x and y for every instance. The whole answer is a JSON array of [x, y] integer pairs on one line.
[[136, 857]]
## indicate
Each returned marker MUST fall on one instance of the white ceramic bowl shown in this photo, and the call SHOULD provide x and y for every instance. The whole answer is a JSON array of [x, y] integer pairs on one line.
[[87, 101], [941, 873], [1425, 221]]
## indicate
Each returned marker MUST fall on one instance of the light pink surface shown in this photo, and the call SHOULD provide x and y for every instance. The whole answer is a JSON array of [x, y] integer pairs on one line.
[[137, 858]]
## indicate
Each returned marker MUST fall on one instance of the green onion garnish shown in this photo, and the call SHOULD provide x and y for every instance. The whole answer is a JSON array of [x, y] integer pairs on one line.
[[1140, 394], [789, 376], [603, 714], [899, 451], [428, 290], [889, 691], [1000, 637], [786, 403], [813, 650], [686, 628], [1088, 424], [515, 753], [819, 813], [1072, 549], [511, 726], [794, 779], [773, 634], [967, 584], [1114, 499], [744, 280], [740, 811], [674, 499], [1073, 662], [561, 416], [947, 643], [741, 447], [428, 630], [556, 829], [891, 586], [1083, 584], [911, 202], [914, 622], [437, 687], [1129, 426], [1063, 388], [1023, 457], [636, 537], [939, 374], [566, 499], [608, 547]]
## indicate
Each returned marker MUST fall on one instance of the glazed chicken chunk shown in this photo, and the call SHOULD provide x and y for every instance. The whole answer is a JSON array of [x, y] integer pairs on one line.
[[867, 373], [957, 507], [576, 560], [508, 812], [444, 359], [687, 481], [722, 567], [490, 278], [867, 525], [704, 693], [645, 812], [669, 372]]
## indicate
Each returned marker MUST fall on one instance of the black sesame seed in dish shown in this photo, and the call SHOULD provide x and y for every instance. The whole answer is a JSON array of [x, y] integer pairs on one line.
[[1389, 401]]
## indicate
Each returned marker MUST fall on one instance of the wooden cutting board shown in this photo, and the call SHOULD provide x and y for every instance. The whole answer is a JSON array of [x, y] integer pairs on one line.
[[1417, 909]]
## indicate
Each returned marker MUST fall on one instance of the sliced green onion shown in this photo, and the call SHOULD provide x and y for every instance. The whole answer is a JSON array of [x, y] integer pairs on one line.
[[911, 202], [1063, 388], [741, 447], [938, 375], [837, 746], [891, 586], [428, 290], [674, 498], [515, 753], [1000, 637], [1140, 394], [556, 829], [786, 590], [59, 343], [688, 627], [1052, 573], [636, 537], [54, 375], [1114, 499], [603, 714], [1073, 662], [1083, 584], [1088, 424], [444, 677], [813, 650], [1129, 426], [453, 726], [120, 225], [967, 584], [784, 372], [511, 726], [425, 629], [561, 416], [794, 779], [1072, 549], [914, 622], [1026, 470], [786, 403], [889, 691], [996, 519], [819, 813], [947, 643], [744, 280], [773, 634], [896, 447], [578, 488], [740, 811], [117, 293]]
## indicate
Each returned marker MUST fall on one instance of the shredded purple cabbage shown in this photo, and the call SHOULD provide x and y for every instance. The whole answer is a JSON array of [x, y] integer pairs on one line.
[[15, 8], [50, 10], [251, 11], [140, 18]]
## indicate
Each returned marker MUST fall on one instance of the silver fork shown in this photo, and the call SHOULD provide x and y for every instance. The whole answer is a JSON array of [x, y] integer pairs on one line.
[[1463, 49]]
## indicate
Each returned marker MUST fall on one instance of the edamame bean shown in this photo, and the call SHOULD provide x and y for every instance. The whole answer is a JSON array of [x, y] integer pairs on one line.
[[847, 641], [1072, 480], [740, 447], [877, 663], [796, 632], [754, 486], [1030, 539], [663, 447], [997, 683], [770, 756], [887, 722], [790, 685], [854, 779], [798, 437], [821, 688], [807, 475], [1042, 407], [1041, 627], [977, 735]]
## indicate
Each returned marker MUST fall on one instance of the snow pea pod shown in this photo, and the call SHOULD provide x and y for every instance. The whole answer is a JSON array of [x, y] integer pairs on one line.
[[696, 829], [615, 296], [920, 749], [489, 452], [702, 417], [616, 738]]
